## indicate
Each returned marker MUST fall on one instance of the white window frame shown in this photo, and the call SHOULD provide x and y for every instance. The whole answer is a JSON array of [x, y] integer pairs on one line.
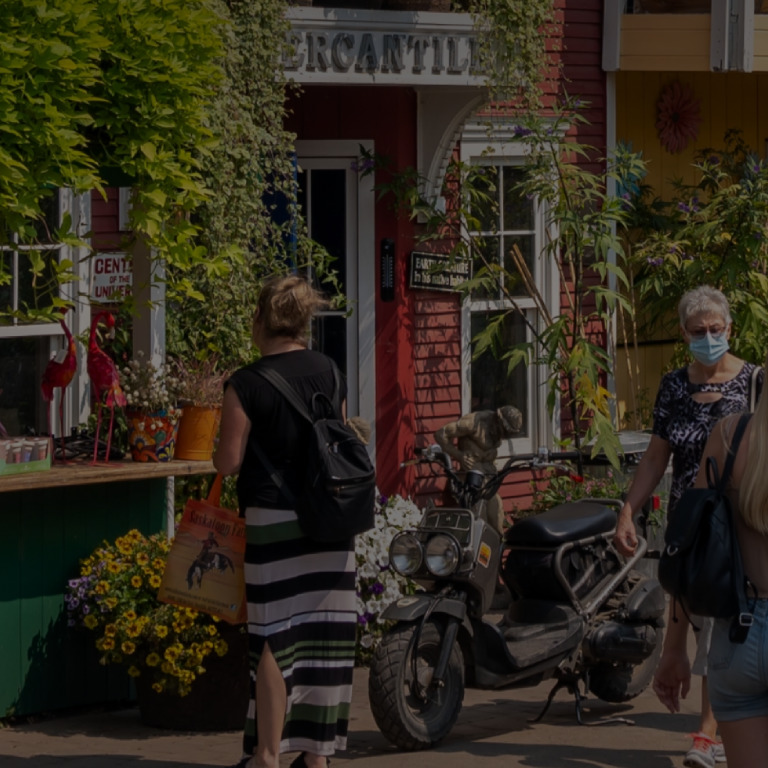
[[497, 147], [76, 400]]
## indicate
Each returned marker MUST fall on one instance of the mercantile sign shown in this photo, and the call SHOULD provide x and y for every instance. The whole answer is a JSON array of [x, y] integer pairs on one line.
[[376, 48]]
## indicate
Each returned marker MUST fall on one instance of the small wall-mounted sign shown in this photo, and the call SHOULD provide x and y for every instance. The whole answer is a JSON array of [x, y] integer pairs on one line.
[[111, 277], [437, 272]]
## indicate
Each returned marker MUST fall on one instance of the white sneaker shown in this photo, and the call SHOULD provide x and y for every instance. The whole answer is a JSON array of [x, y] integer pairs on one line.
[[703, 752], [718, 750]]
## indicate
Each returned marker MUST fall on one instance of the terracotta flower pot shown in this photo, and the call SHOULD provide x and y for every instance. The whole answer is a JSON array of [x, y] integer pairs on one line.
[[197, 431], [152, 435]]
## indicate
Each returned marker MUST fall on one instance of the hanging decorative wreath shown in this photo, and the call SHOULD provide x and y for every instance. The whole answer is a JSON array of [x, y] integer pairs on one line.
[[677, 116]]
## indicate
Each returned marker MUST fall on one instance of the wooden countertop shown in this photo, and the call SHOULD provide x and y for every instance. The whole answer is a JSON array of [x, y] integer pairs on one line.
[[84, 473]]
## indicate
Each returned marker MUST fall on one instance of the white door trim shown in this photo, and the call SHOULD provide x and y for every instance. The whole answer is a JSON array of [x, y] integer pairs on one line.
[[363, 253]]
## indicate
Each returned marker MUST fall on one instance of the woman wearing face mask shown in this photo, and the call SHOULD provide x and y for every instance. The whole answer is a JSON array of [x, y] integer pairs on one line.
[[689, 402]]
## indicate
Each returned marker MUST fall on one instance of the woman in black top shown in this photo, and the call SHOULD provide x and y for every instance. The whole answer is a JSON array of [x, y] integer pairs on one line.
[[301, 594]]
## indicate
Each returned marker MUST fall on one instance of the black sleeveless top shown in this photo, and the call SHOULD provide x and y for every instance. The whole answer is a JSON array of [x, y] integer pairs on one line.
[[275, 426]]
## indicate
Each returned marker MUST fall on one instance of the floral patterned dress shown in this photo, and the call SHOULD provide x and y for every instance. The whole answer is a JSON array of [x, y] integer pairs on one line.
[[685, 423]]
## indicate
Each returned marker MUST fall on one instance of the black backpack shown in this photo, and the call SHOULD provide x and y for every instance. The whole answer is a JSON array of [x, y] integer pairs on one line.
[[338, 483], [701, 563]]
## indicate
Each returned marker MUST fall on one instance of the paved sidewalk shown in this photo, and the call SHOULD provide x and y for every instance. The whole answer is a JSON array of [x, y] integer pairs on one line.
[[492, 729]]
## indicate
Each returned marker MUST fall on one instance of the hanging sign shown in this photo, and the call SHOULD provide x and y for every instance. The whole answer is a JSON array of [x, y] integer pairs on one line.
[[438, 272], [111, 277]]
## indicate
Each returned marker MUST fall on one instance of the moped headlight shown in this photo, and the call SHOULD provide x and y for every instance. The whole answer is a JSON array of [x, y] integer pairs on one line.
[[405, 553], [442, 555]]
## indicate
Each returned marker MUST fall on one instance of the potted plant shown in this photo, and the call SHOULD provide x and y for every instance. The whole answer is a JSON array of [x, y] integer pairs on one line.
[[152, 413], [200, 390], [178, 657]]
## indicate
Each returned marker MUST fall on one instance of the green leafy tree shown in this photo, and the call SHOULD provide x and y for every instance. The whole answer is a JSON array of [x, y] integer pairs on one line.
[[249, 219], [713, 232], [96, 89]]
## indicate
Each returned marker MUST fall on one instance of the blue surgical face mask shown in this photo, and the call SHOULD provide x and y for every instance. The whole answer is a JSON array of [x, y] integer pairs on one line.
[[709, 349]]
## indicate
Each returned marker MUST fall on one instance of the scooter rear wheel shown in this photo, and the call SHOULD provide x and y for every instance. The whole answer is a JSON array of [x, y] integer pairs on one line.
[[618, 683], [406, 719]]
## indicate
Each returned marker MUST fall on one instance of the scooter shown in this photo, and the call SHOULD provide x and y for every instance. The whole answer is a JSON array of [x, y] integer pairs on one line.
[[572, 609]]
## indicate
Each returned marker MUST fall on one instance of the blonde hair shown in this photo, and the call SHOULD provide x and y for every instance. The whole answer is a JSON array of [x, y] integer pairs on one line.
[[286, 306], [753, 492]]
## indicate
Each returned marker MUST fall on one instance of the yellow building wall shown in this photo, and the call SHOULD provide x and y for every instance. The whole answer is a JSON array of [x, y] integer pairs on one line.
[[728, 100]]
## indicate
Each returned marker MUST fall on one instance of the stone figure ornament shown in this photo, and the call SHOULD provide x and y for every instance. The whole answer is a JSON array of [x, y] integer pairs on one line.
[[473, 441]]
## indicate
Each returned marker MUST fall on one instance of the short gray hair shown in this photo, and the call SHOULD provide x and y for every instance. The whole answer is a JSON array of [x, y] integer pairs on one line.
[[703, 299]]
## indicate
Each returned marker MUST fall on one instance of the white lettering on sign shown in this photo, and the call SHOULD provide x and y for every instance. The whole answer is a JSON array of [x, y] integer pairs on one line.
[[111, 277], [365, 47]]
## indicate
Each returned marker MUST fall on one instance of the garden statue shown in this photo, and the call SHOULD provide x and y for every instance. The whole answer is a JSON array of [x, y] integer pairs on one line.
[[105, 381], [473, 440]]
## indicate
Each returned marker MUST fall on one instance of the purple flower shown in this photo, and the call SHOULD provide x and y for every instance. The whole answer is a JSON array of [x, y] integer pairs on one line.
[[86, 608], [383, 500], [376, 588], [362, 620], [365, 164], [681, 206], [519, 131], [655, 262]]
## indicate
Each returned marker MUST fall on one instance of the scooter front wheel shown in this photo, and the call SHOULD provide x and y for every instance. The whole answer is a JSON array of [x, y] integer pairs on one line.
[[415, 714]]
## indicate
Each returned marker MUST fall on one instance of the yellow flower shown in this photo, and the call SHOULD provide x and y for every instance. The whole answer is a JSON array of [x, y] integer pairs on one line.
[[134, 671], [171, 653], [136, 581], [130, 615], [113, 567], [128, 647], [157, 687], [111, 603], [133, 629], [107, 644], [211, 630], [101, 588], [161, 630], [142, 558], [110, 630], [154, 581], [221, 647], [152, 659], [91, 621], [158, 564]]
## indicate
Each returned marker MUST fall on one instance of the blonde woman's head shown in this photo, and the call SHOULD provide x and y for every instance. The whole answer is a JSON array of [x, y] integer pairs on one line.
[[286, 306]]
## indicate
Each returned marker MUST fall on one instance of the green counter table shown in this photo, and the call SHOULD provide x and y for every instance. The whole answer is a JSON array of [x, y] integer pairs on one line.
[[50, 520]]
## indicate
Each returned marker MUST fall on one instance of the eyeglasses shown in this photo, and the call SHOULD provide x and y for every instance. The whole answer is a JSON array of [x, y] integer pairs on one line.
[[700, 332]]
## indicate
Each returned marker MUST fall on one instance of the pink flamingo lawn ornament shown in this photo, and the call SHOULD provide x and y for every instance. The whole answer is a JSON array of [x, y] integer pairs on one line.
[[59, 373], [105, 380]]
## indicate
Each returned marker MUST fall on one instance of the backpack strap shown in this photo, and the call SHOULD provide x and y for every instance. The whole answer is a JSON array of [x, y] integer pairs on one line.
[[743, 620], [733, 449], [753, 388], [290, 394]]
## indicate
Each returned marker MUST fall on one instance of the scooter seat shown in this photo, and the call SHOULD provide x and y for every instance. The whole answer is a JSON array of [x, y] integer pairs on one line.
[[565, 522]]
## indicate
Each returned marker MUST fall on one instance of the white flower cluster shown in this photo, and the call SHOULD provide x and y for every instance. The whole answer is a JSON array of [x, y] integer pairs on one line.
[[377, 584], [148, 387]]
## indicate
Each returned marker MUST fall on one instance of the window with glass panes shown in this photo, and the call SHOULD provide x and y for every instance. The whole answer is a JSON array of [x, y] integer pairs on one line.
[[25, 348], [506, 221]]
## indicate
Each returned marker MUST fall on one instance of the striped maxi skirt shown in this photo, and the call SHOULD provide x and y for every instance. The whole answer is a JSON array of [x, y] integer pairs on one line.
[[301, 602]]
